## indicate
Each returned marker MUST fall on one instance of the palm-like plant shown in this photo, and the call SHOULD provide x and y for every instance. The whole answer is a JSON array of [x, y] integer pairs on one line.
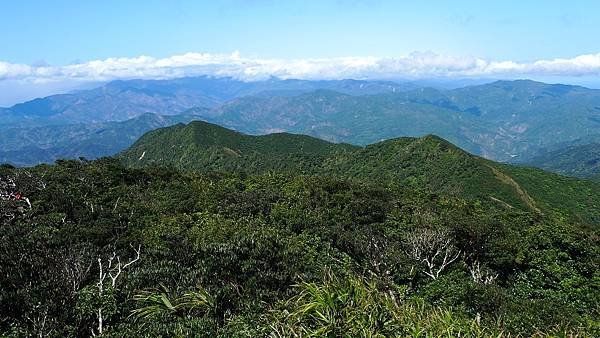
[[198, 299], [157, 303], [161, 302]]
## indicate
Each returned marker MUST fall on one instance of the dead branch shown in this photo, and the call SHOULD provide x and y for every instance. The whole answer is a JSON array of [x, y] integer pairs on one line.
[[432, 248]]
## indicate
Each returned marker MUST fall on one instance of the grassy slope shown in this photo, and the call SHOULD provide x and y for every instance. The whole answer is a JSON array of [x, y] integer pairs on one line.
[[567, 196]]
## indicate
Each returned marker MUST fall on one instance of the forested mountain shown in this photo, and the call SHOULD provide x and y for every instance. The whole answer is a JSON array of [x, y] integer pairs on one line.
[[200, 230], [577, 160], [27, 146], [209, 147], [427, 162], [406, 237]]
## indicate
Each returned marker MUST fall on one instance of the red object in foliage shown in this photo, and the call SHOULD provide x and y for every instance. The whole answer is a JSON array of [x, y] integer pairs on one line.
[[18, 196]]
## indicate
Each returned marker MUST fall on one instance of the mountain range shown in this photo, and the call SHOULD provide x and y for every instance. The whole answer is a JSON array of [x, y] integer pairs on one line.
[[505, 120], [508, 121], [122, 100]]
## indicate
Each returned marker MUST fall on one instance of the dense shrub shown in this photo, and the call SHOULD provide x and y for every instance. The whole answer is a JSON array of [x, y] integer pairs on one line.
[[280, 255]]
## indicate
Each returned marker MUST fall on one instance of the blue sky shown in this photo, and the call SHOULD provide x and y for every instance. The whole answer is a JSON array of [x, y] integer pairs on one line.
[[48, 35], [60, 32]]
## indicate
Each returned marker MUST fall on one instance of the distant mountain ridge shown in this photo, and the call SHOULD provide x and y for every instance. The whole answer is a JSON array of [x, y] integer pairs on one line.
[[121, 100], [422, 163]]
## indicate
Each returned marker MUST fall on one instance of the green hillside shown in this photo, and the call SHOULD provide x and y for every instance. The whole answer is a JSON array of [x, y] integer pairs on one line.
[[208, 147], [428, 163]]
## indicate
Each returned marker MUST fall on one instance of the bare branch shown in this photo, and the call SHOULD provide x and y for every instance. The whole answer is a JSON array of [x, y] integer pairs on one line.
[[432, 248], [113, 270]]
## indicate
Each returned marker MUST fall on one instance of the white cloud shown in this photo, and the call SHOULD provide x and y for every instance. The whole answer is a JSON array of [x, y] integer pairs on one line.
[[415, 65]]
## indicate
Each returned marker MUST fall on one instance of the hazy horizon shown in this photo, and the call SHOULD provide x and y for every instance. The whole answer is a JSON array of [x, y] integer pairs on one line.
[[253, 40], [10, 99]]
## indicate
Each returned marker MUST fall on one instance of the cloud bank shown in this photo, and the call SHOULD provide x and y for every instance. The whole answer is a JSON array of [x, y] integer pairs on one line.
[[416, 65]]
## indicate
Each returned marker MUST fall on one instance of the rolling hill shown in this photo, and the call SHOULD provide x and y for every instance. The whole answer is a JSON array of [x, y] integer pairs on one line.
[[204, 146], [428, 163]]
